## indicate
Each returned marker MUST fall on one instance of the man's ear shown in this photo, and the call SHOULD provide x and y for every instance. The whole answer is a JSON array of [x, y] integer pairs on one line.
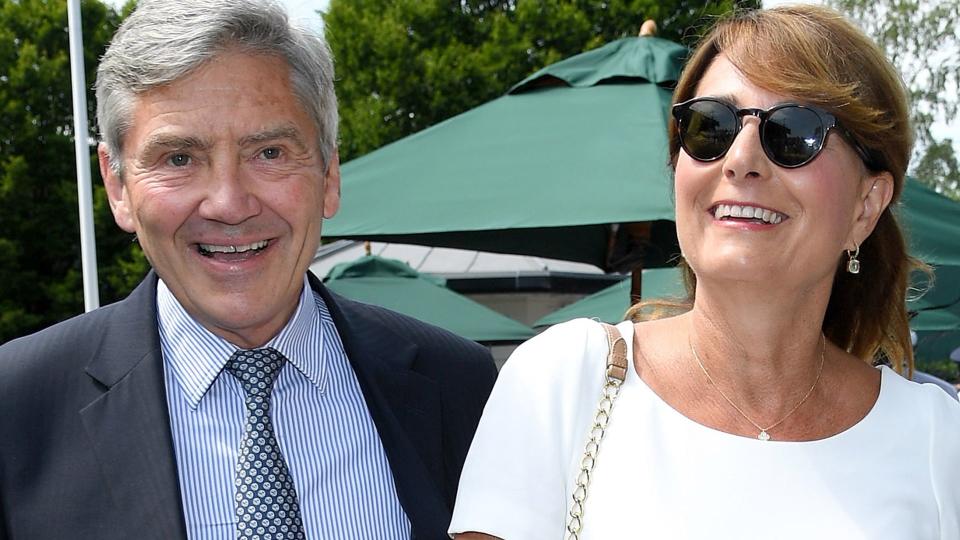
[[331, 187], [876, 191], [116, 191]]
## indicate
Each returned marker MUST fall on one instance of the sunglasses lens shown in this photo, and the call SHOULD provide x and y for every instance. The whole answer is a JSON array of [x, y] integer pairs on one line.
[[793, 136], [707, 129]]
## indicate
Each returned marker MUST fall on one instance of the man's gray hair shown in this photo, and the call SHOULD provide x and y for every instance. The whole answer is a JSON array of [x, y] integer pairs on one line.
[[165, 40]]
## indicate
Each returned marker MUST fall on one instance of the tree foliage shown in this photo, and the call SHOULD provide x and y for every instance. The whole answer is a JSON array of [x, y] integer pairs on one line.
[[40, 269], [404, 65], [921, 38], [939, 162]]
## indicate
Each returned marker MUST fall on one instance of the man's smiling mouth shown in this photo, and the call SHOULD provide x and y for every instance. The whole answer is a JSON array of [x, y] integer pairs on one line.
[[210, 250]]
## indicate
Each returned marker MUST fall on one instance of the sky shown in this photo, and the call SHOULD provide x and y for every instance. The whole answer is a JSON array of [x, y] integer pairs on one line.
[[304, 11]]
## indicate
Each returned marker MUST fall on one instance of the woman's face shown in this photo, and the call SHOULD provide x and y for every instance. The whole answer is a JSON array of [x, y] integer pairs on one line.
[[816, 211]]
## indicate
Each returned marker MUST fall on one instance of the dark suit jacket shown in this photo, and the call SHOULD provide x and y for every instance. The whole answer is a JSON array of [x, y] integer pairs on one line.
[[85, 443]]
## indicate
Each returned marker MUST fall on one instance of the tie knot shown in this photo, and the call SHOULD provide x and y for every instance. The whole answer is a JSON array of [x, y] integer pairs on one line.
[[256, 369]]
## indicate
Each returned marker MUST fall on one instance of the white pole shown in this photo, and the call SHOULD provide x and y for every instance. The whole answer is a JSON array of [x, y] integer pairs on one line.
[[88, 242]]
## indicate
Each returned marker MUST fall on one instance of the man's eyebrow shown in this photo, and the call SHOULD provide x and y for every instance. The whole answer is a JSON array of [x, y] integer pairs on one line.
[[167, 140], [283, 132]]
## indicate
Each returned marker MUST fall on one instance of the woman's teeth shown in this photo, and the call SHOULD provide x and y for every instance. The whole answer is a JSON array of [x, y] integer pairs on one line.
[[746, 212]]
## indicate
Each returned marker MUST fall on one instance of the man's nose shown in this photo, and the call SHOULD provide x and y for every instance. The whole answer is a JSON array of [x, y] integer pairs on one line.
[[229, 197]]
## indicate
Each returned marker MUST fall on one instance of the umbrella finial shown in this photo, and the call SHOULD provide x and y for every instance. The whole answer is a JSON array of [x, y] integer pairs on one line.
[[648, 28], [366, 247]]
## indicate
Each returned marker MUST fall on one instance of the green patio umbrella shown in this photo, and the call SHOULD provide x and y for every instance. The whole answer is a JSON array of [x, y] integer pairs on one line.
[[932, 224], [394, 285], [936, 315], [937, 326], [937, 320], [937, 345], [938, 332], [609, 305], [544, 170], [940, 295]]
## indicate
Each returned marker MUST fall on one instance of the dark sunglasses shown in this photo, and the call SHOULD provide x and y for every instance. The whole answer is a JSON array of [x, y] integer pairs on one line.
[[791, 135]]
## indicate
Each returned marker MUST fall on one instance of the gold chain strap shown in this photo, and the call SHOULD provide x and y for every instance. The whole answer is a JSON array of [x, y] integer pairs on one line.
[[615, 374]]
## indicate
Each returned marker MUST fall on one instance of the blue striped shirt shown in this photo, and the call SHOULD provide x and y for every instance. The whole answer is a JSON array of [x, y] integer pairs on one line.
[[322, 424]]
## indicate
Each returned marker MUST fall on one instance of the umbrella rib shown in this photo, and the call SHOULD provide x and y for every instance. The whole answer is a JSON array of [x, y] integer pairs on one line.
[[423, 260], [473, 261]]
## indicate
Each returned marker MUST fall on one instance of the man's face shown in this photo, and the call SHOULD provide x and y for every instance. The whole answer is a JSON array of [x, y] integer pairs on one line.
[[225, 189]]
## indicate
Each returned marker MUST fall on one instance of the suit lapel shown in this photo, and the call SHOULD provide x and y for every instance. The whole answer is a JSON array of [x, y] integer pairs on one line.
[[129, 424], [405, 407]]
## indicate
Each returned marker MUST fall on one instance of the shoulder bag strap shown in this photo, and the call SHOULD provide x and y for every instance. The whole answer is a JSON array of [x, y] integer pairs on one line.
[[616, 372]]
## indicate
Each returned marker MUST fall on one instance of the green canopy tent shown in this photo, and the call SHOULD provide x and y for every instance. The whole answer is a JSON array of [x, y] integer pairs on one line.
[[394, 285], [554, 168]]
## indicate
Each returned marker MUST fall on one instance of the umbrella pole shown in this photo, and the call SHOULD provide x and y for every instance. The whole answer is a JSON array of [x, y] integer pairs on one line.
[[636, 282], [625, 247]]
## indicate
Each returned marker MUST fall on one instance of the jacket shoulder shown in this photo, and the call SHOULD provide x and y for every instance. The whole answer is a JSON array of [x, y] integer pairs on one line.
[[63, 339], [70, 343]]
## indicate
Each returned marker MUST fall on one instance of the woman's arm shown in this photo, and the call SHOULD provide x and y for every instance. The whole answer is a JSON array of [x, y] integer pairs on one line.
[[474, 536]]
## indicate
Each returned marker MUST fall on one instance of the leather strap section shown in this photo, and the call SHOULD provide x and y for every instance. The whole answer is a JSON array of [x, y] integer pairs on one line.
[[617, 355]]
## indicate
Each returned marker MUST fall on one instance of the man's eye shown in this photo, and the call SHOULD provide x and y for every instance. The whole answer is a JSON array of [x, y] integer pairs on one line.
[[270, 153], [179, 160]]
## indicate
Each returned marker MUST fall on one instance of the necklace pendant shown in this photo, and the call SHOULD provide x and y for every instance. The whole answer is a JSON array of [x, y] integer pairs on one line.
[[763, 436]]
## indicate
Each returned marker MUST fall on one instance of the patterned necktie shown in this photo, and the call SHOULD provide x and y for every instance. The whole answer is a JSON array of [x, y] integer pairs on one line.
[[266, 500]]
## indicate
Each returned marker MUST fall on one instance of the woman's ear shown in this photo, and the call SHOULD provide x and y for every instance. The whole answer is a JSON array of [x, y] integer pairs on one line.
[[875, 194]]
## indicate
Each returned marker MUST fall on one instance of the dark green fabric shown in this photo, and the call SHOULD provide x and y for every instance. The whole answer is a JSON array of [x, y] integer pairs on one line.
[[521, 171], [611, 303], [372, 266], [395, 285], [649, 59], [931, 223]]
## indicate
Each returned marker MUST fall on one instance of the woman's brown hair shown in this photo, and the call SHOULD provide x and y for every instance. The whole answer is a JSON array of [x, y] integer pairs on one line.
[[813, 54]]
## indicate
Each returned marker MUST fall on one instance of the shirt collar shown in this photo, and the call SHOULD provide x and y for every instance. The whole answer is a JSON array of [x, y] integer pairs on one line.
[[197, 356]]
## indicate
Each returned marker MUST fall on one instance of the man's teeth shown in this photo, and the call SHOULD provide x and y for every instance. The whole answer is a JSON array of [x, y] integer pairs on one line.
[[213, 248], [746, 212]]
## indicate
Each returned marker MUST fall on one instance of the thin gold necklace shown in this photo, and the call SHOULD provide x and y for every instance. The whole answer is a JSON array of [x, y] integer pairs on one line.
[[764, 434]]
